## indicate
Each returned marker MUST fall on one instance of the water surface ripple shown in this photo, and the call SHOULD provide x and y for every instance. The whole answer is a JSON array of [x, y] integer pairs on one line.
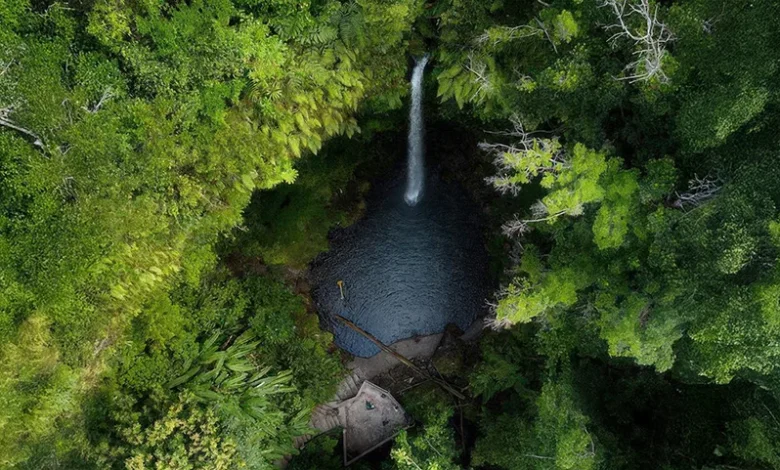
[[407, 270]]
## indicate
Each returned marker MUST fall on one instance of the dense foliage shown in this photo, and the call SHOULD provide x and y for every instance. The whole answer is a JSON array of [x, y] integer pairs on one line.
[[649, 127], [169, 168], [650, 225], [133, 135]]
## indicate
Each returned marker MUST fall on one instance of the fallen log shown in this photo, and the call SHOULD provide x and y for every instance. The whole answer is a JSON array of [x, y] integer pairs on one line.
[[440, 382]]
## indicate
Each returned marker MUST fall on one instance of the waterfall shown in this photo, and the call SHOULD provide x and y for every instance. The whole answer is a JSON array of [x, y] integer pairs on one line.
[[415, 178]]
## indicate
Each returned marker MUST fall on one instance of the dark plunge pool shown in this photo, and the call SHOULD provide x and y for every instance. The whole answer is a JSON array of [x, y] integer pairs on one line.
[[406, 271]]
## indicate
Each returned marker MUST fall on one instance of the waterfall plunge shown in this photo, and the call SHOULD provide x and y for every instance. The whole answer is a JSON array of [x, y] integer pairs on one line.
[[415, 178]]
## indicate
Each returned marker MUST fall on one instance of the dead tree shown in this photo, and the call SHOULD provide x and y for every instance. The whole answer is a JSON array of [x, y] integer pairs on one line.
[[478, 68], [547, 34], [499, 34], [4, 67], [5, 121], [518, 163], [506, 33], [108, 93], [650, 38], [700, 190], [518, 226], [509, 157]]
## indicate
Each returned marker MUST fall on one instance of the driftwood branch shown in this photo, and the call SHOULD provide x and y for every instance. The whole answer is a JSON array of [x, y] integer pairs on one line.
[[442, 383]]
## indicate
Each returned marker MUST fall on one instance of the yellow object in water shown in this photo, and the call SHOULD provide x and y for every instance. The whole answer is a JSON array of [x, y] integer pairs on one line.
[[340, 283]]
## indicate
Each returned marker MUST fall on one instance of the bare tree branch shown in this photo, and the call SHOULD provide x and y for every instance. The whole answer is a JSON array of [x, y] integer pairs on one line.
[[515, 227], [107, 95], [508, 158], [708, 25], [518, 226], [650, 38], [498, 34], [479, 69], [700, 190], [546, 33], [497, 325], [506, 33], [5, 121], [4, 67], [541, 457]]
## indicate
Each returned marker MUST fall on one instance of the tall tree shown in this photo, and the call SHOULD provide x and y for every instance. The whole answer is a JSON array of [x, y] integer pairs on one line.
[[132, 135]]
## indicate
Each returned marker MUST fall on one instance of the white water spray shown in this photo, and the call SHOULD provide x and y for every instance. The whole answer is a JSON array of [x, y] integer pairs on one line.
[[415, 178]]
